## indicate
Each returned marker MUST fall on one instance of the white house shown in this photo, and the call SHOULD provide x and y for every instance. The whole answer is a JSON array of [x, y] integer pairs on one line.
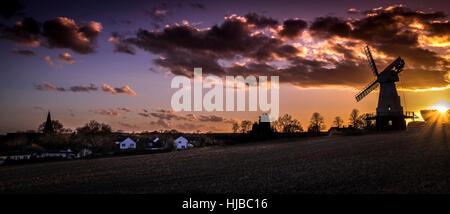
[[180, 143], [127, 144]]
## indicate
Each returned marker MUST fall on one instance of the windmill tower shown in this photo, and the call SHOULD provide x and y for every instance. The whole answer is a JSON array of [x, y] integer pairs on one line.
[[389, 114]]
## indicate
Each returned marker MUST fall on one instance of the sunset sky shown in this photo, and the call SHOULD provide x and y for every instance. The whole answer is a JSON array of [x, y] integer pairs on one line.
[[113, 61]]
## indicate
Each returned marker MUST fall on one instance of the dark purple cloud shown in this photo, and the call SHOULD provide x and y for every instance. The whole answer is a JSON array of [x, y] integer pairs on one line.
[[63, 32], [261, 21], [292, 28], [59, 32], [26, 32], [337, 62]]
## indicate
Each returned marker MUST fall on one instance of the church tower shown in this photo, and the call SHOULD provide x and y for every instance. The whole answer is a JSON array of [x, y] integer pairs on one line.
[[48, 127]]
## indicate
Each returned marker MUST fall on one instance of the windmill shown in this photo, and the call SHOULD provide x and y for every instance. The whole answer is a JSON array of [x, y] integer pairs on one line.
[[389, 113]]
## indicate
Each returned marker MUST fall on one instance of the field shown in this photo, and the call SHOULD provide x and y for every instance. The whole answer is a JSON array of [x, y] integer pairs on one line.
[[416, 161]]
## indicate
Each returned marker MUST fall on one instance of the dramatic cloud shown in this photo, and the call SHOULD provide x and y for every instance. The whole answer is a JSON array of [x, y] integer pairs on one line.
[[26, 32], [327, 53], [59, 32], [24, 52], [327, 27], [119, 45], [67, 58], [292, 28], [106, 112], [261, 21], [184, 47], [63, 32]]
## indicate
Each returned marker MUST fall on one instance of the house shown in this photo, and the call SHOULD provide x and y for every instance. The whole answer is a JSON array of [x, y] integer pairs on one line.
[[127, 144], [155, 144], [180, 143]]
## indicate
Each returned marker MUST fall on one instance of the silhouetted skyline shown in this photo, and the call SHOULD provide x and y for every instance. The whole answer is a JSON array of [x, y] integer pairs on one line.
[[113, 61]]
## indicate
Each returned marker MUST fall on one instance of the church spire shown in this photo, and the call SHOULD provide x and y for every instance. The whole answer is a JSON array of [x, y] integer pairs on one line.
[[48, 127]]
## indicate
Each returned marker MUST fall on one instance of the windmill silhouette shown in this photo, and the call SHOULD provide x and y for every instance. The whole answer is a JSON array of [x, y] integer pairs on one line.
[[389, 115]]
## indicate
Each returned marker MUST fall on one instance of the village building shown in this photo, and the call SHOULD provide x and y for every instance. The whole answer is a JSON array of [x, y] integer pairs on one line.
[[127, 144], [181, 143], [48, 127]]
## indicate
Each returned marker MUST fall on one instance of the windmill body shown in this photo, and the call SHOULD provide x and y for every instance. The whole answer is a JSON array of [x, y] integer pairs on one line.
[[389, 114]]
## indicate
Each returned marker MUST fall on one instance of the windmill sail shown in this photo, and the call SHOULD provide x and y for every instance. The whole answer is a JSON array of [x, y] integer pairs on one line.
[[366, 91], [371, 61], [396, 65]]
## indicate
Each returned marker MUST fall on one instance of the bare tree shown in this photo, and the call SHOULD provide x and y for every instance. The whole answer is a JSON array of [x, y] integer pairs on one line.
[[287, 124], [58, 127], [235, 127], [316, 123], [246, 126], [338, 122], [95, 134], [365, 122], [354, 119]]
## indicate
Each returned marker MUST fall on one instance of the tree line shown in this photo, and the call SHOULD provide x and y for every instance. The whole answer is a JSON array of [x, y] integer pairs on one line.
[[288, 124]]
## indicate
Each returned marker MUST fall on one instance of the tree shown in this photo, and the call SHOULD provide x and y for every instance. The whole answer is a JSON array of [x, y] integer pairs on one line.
[[354, 119], [94, 127], [287, 124], [235, 127], [96, 135], [366, 123], [246, 126], [172, 131], [58, 127], [316, 123], [338, 122]]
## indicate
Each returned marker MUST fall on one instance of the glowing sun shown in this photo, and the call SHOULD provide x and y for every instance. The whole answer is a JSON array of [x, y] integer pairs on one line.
[[441, 108]]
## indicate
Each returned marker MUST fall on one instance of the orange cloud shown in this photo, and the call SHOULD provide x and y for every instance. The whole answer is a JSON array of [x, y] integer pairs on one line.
[[120, 90]]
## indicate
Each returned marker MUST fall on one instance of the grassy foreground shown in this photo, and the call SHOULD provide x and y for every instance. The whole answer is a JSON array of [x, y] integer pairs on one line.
[[416, 161]]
